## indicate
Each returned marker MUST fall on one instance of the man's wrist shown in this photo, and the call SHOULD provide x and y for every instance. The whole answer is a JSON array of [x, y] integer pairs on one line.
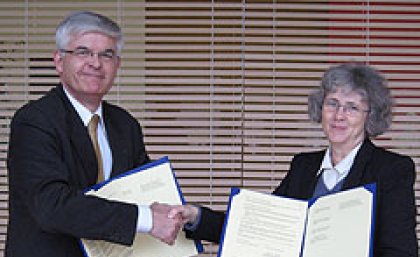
[[145, 219]]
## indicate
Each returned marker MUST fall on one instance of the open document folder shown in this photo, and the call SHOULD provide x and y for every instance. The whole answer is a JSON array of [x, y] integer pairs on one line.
[[261, 225], [147, 184]]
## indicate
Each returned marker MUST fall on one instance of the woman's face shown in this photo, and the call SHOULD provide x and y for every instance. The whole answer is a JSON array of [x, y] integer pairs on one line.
[[344, 115]]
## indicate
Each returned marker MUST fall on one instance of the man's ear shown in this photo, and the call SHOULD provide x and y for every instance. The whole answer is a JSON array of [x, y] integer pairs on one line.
[[58, 61]]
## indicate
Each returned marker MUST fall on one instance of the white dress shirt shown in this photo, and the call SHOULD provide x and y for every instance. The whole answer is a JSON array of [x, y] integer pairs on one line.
[[334, 174]]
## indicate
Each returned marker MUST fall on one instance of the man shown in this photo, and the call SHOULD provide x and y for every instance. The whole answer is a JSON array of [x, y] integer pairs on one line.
[[52, 157]]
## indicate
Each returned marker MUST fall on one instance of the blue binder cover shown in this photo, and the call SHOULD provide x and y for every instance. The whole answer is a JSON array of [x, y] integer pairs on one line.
[[371, 188], [147, 166], [233, 192]]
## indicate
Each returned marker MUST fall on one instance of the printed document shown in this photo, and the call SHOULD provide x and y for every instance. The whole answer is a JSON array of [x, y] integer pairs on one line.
[[145, 185], [264, 225]]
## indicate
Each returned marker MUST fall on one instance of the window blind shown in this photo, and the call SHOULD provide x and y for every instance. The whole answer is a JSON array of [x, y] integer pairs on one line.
[[221, 87]]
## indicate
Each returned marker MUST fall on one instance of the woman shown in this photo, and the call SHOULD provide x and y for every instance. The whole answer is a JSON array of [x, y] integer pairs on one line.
[[353, 104]]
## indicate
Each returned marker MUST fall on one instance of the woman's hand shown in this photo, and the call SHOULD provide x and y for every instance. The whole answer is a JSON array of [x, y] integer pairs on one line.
[[188, 213]]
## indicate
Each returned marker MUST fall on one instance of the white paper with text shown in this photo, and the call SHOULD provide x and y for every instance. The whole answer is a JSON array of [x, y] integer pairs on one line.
[[264, 225], [156, 183]]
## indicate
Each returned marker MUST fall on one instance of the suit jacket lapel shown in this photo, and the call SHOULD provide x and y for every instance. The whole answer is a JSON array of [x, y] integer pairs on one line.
[[79, 138], [301, 179], [118, 141], [355, 176], [312, 178]]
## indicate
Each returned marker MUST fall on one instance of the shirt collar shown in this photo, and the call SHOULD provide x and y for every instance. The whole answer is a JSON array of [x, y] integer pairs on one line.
[[343, 167], [83, 112]]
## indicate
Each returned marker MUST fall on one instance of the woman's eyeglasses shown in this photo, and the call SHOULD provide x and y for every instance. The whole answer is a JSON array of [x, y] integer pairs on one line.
[[350, 109]]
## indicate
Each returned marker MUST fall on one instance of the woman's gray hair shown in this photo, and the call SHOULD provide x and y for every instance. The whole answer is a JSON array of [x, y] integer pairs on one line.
[[364, 80], [82, 22]]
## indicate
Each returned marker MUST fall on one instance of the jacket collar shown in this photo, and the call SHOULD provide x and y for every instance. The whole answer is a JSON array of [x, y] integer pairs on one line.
[[79, 136], [118, 140], [355, 176], [353, 179]]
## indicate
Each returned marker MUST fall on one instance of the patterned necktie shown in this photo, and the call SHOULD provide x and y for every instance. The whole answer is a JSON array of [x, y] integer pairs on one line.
[[92, 128]]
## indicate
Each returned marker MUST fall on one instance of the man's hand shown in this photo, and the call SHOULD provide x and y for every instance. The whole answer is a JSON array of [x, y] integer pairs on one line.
[[187, 213], [164, 228]]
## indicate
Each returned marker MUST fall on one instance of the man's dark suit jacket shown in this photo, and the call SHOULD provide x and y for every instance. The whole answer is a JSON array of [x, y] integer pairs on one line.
[[394, 175], [51, 161]]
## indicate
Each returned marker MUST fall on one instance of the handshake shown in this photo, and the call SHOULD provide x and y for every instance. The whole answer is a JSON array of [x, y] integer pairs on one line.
[[169, 219]]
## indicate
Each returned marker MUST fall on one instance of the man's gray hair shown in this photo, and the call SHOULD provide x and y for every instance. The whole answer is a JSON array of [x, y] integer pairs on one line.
[[82, 22]]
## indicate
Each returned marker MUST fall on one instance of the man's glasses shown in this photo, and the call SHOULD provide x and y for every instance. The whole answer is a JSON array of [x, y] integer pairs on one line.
[[332, 105], [84, 53]]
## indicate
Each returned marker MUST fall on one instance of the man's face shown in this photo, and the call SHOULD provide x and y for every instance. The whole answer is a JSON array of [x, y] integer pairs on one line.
[[88, 77]]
